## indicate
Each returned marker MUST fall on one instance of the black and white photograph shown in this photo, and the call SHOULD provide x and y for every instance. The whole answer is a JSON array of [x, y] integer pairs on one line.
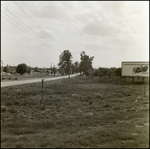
[[75, 74]]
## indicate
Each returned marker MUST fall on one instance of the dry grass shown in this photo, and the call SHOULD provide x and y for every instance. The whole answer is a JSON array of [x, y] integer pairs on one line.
[[76, 112]]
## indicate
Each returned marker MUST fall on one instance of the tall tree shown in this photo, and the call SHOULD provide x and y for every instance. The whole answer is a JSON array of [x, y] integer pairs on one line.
[[65, 62], [86, 63]]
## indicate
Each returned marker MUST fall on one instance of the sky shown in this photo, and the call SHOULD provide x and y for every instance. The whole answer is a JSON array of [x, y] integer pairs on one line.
[[37, 32]]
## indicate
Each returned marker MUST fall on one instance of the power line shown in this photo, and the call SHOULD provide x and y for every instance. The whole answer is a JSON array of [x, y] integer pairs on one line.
[[18, 19], [25, 32], [17, 27], [21, 26], [23, 23], [15, 59], [36, 23]]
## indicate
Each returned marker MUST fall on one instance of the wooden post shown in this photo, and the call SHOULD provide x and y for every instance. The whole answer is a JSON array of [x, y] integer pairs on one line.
[[42, 93], [144, 90], [124, 79], [144, 85], [132, 79], [42, 82]]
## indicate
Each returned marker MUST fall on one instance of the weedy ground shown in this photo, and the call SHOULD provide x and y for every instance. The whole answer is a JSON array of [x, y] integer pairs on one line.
[[77, 112]]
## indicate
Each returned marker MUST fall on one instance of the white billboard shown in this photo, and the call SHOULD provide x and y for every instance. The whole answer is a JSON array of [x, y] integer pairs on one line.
[[135, 69]]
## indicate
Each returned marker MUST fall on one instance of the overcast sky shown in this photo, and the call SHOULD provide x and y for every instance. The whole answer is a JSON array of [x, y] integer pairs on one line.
[[110, 31]]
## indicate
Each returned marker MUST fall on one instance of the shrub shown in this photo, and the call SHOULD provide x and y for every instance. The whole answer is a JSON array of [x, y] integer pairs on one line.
[[22, 68]]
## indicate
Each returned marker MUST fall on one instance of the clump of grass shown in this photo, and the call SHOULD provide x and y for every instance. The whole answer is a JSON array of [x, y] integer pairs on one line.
[[19, 146], [90, 102], [22, 131], [107, 105], [3, 109], [16, 103], [9, 103], [99, 96], [12, 110], [42, 107]]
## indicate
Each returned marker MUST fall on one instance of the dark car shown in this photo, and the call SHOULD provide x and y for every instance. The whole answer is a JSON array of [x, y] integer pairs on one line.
[[140, 69]]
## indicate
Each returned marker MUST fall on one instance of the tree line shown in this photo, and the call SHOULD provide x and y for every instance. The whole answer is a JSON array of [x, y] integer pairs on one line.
[[67, 67]]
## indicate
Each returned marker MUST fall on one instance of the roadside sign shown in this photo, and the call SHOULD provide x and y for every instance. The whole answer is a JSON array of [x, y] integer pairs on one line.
[[133, 69]]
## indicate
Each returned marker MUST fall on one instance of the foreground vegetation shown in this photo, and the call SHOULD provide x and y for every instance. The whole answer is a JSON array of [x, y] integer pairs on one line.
[[76, 112]]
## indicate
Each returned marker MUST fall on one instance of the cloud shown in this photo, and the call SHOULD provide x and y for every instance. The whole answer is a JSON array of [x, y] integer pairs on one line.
[[96, 28], [113, 7], [106, 30], [111, 23], [49, 10]]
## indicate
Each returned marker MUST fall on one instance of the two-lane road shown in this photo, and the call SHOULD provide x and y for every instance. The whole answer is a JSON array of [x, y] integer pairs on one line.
[[19, 82]]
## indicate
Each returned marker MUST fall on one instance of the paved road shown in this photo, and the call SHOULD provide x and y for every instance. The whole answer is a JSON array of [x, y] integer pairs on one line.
[[19, 82]]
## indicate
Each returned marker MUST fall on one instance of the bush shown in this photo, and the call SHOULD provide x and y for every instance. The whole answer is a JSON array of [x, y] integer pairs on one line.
[[22, 68], [96, 72], [118, 72]]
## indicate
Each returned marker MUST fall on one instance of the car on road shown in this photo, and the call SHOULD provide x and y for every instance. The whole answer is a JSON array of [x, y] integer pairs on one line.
[[5, 75]]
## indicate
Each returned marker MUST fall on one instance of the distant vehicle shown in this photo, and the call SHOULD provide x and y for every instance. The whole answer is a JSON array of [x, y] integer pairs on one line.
[[140, 69], [5, 75]]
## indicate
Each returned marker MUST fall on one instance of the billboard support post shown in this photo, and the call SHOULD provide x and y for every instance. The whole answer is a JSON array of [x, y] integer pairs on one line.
[[133, 80], [144, 90], [124, 79]]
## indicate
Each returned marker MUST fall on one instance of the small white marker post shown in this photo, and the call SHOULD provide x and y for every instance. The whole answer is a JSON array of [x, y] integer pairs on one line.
[[144, 85]]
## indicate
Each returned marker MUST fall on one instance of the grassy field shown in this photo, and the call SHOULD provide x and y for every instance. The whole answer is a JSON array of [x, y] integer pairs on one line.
[[78, 112]]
